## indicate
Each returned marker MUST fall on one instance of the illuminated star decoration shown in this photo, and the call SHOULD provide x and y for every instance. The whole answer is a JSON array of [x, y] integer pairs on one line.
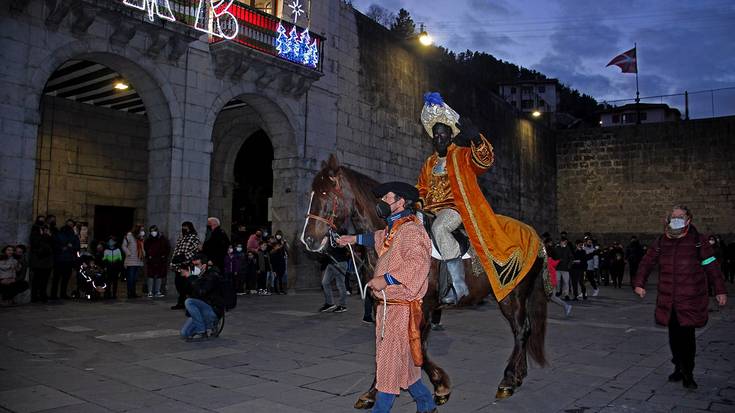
[[296, 10]]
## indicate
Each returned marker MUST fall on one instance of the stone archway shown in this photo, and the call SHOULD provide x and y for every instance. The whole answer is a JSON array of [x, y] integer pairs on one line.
[[230, 132], [161, 112]]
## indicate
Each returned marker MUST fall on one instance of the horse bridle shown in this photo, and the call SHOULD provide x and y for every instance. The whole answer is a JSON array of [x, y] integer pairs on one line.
[[337, 197]]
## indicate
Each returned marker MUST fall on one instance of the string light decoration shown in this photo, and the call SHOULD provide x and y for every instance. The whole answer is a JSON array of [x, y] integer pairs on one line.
[[160, 8], [296, 10], [299, 48]]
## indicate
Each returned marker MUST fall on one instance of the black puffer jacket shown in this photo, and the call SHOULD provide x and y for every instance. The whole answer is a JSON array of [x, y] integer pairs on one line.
[[207, 287]]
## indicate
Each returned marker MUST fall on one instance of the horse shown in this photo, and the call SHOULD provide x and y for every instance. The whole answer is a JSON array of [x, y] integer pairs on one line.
[[342, 202]]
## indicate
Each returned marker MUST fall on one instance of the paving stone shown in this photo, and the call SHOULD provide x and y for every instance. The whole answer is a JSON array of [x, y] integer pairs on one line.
[[35, 399], [271, 362]]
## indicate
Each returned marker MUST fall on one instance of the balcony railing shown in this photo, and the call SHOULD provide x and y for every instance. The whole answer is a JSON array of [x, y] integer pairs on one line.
[[258, 30]]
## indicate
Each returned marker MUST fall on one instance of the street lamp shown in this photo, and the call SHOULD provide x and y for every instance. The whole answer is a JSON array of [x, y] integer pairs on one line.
[[424, 37], [536, 113]]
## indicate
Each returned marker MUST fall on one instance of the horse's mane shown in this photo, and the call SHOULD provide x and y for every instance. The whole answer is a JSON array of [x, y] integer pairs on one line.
[[362, 186]]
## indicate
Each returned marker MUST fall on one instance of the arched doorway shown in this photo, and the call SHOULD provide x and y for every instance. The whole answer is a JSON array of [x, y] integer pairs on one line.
[[253, 183], [92, 149]]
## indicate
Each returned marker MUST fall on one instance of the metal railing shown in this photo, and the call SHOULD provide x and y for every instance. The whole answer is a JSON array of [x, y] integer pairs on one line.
[[699, 104], [256, 29]]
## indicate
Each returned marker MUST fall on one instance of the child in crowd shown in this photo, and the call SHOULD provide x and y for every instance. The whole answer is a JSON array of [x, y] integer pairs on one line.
[[264, 269], [250, 269], [112, 262], [233, 262]]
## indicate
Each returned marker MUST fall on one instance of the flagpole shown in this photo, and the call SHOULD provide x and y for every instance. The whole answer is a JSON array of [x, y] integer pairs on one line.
[[637, 94]]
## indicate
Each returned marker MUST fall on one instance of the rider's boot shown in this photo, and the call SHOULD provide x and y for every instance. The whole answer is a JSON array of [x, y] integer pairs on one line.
[[459, 287]]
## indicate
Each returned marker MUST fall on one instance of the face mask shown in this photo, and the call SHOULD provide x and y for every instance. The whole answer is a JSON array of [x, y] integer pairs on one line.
[[278, 237], [230, 250], [184, 231], [142, 233], [154, 234], [677, 223], [383, 210], [711, 242], [196, 271], [111, 244], [239, 249]]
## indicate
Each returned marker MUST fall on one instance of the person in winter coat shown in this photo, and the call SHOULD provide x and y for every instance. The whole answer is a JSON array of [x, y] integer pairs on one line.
[[186, 246], [112, 264], [206, 302], [564, 253], [216, 243], [686, 266], [66, 247], [41, 261], [134, 256], [157, 249]]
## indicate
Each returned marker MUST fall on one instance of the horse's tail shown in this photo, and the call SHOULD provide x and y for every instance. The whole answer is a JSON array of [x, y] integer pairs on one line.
[[536, 304]]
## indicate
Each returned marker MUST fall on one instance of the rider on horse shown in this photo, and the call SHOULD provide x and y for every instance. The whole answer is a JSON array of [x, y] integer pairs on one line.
[[448, 188]]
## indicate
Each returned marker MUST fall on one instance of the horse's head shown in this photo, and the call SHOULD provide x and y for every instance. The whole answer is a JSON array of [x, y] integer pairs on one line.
[[329, 207]]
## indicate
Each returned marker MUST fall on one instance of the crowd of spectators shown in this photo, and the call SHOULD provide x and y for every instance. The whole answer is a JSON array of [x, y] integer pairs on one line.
[[254, 263]]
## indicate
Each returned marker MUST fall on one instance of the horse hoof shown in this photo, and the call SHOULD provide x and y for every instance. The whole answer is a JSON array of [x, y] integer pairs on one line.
[[440, 400], [364, 404], [504, 392]]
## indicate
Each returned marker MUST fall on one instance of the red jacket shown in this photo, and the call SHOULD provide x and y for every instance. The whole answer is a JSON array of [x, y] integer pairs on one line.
[[682, 280]]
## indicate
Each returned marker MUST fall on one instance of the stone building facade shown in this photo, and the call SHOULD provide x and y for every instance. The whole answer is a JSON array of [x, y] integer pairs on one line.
[[176, 163], [621, 181]]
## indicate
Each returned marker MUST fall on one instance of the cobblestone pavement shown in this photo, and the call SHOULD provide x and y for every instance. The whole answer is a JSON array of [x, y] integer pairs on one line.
[[277, 354]]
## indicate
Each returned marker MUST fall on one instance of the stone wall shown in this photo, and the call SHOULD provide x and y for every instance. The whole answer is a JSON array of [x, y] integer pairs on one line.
[[383, 120], [619, 181], [90, 156]]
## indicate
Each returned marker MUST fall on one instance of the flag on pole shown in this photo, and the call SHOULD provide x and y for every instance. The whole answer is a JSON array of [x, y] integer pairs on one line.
[[627, 62]]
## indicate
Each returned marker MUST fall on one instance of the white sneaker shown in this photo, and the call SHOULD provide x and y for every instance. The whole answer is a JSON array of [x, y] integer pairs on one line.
[[595, 292], [150, 295], [159, 295]]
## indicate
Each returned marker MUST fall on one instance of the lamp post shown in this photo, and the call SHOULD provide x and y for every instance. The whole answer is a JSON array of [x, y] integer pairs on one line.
[[424, 37]]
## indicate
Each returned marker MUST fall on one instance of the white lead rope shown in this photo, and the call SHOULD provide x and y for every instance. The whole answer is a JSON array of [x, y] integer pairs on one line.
[[363, 292]]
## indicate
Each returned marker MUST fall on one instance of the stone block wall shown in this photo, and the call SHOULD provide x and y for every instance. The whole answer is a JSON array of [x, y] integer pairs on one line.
[[378, 130], [615, 182], [90, 156]]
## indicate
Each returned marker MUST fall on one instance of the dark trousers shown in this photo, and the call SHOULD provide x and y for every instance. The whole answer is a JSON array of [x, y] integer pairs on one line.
[[62, 273], [278, 282], [590, 276], [112, 277], [617, 276], [9, 291], [577, 276], [683, 345], [251, 280], [262, 280], [39, 284], [181, 288], [632, 269]]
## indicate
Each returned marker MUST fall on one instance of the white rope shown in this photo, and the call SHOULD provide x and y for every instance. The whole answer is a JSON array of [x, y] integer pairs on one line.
[[385, 315], [363, 292]]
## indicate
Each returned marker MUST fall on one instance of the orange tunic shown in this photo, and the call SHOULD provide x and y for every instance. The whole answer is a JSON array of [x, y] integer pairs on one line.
[[407, 260], [507, 248]]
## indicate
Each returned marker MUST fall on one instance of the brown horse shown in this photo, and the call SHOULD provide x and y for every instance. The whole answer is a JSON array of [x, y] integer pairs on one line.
[[342, 202]]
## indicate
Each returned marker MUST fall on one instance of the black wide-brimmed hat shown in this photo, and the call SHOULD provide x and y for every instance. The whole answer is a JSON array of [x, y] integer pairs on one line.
[[402, 189]]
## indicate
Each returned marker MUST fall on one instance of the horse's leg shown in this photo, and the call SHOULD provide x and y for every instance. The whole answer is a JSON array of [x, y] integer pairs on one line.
[[438, 377], [510, 308], [367, 399], [526, 312]]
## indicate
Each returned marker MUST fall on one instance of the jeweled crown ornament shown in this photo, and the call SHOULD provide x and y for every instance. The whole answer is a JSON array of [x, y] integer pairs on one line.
[[436, 111]]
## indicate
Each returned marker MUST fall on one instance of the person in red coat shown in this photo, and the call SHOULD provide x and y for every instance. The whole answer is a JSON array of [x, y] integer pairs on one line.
[[686, 266]]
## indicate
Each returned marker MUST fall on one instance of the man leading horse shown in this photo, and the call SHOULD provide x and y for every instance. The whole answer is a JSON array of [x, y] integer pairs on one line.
[[399, 283], [448, 188]]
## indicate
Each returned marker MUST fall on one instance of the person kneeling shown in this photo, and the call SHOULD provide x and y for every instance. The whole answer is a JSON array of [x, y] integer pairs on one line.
[[205, 305]]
